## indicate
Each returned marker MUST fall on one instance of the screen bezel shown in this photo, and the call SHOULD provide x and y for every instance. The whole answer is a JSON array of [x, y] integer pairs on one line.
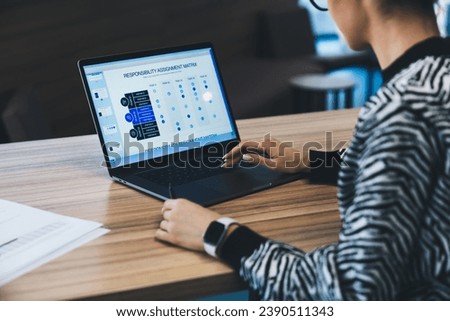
[[209, 150]]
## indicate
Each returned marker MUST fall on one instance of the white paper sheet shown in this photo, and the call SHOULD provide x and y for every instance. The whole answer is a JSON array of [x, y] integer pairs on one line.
[[30, 237]]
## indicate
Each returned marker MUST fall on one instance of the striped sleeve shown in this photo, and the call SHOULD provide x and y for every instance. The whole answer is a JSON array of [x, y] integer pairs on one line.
[[380, 223]]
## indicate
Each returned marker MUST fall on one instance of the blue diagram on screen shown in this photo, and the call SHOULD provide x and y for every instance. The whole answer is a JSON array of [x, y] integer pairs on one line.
[[141, 115]]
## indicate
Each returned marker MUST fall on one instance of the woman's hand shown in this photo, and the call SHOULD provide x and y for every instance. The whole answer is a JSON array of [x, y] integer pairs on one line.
[[184, 223], [270, 152]]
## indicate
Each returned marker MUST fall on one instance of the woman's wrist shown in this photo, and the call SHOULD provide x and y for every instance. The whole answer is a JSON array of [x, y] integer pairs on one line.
[[240, 242]]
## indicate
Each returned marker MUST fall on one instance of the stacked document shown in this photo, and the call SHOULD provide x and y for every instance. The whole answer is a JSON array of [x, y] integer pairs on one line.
[[30, 237]]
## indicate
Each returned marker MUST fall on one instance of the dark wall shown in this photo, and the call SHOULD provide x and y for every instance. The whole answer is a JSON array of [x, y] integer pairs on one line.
[[41, 41]]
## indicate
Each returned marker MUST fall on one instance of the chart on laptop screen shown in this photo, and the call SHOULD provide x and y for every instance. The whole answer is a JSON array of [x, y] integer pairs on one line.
[[166, 100]]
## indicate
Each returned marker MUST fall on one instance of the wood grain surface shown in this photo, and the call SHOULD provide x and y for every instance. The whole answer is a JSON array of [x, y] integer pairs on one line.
[[65, 176]]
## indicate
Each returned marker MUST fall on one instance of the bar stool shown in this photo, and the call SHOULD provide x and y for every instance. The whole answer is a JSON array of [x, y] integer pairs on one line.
[[311, 91]]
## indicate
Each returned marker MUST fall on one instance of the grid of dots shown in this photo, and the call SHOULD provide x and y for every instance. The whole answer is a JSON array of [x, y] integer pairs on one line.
[[186, 106]]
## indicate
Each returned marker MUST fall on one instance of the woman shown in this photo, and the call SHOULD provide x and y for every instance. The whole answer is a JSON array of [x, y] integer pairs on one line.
[[393, 190]]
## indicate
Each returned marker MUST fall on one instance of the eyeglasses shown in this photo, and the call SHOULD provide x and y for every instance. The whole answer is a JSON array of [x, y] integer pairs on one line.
[[320, 4]]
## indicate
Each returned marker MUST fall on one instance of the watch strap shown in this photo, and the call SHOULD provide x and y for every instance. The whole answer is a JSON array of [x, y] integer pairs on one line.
[[211, 249]]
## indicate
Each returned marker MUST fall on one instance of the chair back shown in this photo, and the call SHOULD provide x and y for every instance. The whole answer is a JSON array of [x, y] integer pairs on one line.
[[22, 117]]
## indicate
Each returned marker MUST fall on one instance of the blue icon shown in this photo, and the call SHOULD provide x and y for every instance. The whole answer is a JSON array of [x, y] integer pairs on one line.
[[129, 118], [177, 123], [193, 88], [188, 116], [173, 108], [192, 84], [157, 100], [192, 126], [163, 121], [215, 116], [186, 106], [199, 108], [183, 96], [162, 116], [202, 118], [180, 86], [181, 91], [169, 93], [178, 128], [206, 86]]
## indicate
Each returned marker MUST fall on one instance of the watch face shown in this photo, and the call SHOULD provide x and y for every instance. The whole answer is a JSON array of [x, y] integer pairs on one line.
[[214, 233]]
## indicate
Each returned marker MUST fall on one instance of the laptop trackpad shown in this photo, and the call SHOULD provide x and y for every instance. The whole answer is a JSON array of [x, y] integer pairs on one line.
[[229, 184], [237, 182], [241, 181], [196, 192]]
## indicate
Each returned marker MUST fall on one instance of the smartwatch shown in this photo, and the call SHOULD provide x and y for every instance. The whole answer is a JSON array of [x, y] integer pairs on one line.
[[215, 233]]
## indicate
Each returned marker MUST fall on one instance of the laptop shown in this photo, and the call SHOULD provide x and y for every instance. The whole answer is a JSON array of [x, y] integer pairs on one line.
[[164, 123]]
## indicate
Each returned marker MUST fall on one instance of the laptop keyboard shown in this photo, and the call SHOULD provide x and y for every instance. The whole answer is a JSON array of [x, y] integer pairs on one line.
[[176, 175]]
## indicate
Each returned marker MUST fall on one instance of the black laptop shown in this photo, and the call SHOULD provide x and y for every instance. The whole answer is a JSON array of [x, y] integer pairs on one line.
[[164, 123]]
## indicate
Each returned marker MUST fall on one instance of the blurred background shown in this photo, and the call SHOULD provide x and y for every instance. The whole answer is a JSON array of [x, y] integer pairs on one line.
[[262, 45]]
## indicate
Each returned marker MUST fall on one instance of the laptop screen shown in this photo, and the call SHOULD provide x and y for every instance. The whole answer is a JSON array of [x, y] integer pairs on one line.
[[156, 105]]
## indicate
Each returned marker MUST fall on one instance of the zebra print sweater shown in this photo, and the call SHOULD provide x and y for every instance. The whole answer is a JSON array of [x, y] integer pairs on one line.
[[394, 200]]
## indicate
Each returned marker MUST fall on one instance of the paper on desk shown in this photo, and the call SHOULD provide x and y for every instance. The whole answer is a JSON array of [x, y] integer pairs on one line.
[[30, 237]]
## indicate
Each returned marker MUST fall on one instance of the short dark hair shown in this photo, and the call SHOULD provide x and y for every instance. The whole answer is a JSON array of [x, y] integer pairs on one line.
[[417, 6]]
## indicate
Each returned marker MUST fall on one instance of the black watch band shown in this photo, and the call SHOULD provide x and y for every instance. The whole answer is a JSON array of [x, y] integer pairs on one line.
[[215, 234]]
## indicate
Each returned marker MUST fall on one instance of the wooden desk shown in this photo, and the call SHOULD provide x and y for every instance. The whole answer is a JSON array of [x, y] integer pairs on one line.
[[65, 176]]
